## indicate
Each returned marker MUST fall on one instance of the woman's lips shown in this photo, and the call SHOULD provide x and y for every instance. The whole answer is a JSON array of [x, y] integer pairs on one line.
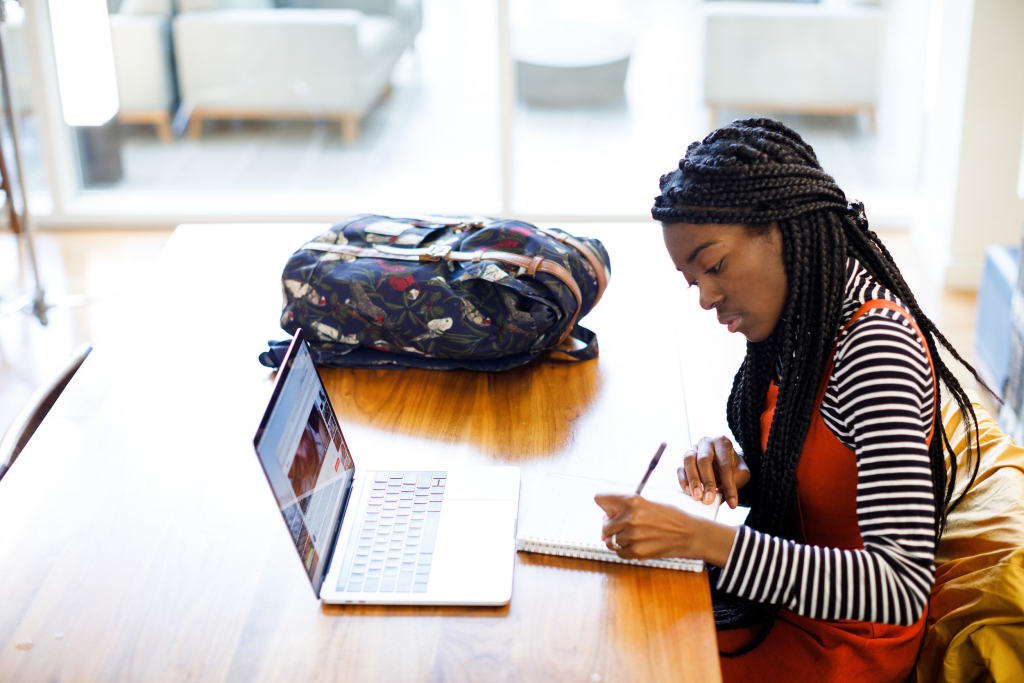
[[732, 322]]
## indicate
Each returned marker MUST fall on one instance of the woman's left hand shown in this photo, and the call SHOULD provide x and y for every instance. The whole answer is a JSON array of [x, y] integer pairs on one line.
[[646, 530]]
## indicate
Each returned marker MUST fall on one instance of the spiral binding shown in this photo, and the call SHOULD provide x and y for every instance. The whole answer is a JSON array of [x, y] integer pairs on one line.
[[547, 546]]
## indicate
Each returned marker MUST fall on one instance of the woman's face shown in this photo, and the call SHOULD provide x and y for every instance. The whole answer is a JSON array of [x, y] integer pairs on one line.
[[739, 271]]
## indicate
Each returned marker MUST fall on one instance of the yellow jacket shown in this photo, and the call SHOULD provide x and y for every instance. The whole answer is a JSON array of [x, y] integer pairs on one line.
[[975, 626]]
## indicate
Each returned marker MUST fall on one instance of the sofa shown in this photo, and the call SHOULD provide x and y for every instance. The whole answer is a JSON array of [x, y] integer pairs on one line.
[[821, 58], [407, 13], [140, 33], [312, 59]]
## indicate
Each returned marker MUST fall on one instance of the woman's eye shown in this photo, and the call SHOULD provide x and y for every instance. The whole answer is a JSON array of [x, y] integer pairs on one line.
[[713, 270]]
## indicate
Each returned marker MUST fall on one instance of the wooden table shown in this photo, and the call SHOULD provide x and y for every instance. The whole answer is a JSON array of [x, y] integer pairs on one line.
[[141, 542]]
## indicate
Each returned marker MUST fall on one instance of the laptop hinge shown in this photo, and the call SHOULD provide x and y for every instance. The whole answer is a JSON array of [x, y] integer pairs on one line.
[[333, 540]]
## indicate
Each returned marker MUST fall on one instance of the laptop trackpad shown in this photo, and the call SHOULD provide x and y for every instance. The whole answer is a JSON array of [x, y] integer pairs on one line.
[[475, 551]]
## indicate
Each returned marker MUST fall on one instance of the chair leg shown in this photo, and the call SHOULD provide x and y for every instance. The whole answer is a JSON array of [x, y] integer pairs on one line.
[[195, 127], [350, 129], [163, 129]]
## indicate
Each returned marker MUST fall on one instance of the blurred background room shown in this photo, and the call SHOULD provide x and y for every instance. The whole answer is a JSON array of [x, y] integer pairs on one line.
[[134, 116]]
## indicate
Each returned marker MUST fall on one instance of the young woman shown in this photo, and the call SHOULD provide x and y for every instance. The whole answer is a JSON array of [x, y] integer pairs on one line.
[[840, 450]]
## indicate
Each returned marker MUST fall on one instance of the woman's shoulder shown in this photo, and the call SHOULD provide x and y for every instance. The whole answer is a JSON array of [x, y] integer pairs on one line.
[[881, 360], [874, 317], [862, 289]]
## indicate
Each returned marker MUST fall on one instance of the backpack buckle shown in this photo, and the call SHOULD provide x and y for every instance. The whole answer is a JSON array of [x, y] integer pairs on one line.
[[436, 252]]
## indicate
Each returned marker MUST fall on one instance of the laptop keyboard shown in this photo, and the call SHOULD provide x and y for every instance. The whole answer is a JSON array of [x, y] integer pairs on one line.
[[396, 534]]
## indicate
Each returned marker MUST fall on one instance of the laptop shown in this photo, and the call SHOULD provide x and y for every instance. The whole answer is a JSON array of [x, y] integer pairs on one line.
[[432, 535]]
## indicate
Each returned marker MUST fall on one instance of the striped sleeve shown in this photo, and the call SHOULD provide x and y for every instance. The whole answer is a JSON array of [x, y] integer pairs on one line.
[[880, 403]]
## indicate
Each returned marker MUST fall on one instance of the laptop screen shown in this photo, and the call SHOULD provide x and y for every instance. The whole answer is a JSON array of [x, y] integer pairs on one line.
[[305, 458]]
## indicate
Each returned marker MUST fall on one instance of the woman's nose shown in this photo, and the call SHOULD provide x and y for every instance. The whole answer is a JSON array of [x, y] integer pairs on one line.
[[709, 297]]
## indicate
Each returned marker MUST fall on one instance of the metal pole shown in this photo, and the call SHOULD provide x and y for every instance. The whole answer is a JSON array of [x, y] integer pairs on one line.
[[507, 88], [38, 297]]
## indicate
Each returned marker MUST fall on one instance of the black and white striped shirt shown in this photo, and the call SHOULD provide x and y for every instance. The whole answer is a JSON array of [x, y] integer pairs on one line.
[[879, 403]]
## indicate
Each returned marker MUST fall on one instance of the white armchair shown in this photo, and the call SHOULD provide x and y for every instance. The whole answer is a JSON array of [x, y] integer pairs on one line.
[[408, 13], [285, 63], [142, 61], [821, 58]]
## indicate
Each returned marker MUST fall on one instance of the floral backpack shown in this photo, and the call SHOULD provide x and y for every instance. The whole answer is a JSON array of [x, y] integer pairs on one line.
[[441, 293]]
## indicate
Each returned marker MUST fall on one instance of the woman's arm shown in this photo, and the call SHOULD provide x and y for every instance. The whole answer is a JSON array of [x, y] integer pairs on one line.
[[882, 401]]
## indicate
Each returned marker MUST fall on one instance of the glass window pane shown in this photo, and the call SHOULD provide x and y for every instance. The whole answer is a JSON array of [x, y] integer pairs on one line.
[[611, 92], [20, 76], [316, 106], [606, 102]]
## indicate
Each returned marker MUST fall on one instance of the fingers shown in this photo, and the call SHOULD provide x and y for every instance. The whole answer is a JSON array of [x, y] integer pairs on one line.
[[631, 551], [623, 549], [611, 503], [725, 463], [615, 507], [697, 473], [706, 469], [689, 479], [621, 532], [714, 465]]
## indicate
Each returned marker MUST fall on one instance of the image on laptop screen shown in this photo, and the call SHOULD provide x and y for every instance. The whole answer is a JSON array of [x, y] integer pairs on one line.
[[305, 458]]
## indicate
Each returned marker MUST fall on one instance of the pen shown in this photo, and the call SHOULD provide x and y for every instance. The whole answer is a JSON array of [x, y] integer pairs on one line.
[[650, 468]]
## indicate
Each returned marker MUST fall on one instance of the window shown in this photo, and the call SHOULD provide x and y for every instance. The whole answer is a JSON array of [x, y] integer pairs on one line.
[[316, 109]]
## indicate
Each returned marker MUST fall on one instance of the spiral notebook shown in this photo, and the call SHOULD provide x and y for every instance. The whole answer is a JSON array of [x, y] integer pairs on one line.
[[564, 519]]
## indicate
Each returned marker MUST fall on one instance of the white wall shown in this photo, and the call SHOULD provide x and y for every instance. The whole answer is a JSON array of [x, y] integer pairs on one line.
[[1020, 173], [973, 146], [901, 115]]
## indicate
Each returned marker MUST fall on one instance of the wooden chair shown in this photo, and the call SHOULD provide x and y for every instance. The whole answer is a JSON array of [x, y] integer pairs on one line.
[[28, 420], [975, 627]]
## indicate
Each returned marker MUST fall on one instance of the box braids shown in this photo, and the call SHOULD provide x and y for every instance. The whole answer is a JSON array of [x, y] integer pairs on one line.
[[758, 172]]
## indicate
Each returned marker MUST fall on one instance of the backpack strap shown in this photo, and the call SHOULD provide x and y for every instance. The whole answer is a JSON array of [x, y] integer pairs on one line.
[[532, 264], [595, 262]]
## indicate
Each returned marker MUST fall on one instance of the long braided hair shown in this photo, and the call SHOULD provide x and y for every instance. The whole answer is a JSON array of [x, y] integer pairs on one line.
[[757, 172]]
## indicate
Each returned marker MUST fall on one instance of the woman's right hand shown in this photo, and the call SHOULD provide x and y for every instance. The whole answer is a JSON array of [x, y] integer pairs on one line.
[[714, 465]]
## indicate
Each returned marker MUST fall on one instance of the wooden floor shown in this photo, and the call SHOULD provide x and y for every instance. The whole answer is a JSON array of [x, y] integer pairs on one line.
[[111, 267]]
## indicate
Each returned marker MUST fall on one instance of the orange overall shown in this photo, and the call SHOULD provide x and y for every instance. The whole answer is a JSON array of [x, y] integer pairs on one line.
[[824, 650]]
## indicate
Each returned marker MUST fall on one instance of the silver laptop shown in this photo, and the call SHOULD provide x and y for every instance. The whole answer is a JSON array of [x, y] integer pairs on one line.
[[432, 535]]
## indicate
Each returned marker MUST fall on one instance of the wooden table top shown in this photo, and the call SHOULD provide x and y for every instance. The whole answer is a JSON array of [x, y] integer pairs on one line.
[[141, 541]]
